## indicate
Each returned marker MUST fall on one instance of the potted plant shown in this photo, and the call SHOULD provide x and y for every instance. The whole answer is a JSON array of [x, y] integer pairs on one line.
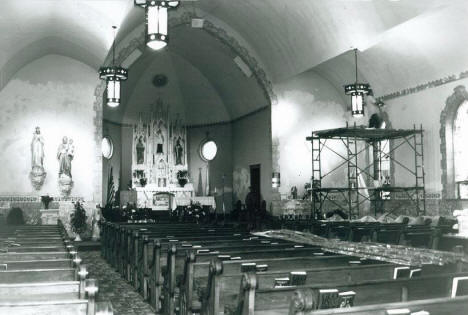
[[78, 220], [182, 177], [46, 199]]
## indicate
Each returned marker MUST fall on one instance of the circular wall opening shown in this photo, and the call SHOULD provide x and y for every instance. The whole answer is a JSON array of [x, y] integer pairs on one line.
[[208, 150], [107, 147]]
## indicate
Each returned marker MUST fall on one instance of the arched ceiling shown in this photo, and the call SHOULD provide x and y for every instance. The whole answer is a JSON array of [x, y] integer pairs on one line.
[[202, 76], [70, 27], [403, 43]]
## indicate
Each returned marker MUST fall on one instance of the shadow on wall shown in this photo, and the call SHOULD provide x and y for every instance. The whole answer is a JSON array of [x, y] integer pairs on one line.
[[241, 183]]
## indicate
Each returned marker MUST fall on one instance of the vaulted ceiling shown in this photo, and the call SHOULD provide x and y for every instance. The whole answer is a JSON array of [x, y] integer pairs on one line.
[[402, 43]]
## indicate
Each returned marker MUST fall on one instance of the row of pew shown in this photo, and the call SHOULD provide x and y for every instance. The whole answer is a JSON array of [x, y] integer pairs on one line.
[[41, 273], [423, 236], [193, 269]]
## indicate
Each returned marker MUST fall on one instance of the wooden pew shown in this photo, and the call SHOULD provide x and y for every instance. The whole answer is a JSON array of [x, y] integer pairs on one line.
[[60, 306], [36, 264], [139, 255], [136, 255], [362, 231], [420, 236], [7, 257], [176, 257], [223, 287], [145, 266], [41, 291], [277, 300], [439, 306], [124, 244], [388, 233]]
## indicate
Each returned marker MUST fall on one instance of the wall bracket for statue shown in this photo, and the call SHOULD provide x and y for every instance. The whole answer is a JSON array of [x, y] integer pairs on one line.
[[37, 174]]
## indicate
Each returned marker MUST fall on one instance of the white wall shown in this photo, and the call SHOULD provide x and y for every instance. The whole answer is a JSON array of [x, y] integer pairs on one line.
[[423, 108]]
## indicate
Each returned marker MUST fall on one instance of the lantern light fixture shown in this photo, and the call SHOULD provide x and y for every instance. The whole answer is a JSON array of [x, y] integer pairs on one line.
[[156, 12], [358, 91], [113, 75]]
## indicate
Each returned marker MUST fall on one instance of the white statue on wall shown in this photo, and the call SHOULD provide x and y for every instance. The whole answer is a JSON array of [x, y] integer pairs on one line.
[[65, 155], [37, 174], [37, 149]]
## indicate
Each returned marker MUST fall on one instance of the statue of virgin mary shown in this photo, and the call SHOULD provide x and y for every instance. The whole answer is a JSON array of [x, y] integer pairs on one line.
[[37, 149], [37, 174]]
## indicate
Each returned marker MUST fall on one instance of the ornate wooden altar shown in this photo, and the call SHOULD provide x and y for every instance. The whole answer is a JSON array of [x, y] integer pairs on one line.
[[159, 151]]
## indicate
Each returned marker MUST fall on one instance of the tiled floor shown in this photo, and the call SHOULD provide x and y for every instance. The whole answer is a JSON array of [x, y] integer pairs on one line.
[[125, 300]]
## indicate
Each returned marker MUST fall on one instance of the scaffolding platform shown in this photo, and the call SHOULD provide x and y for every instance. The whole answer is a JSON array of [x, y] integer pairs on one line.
[[357, 140]]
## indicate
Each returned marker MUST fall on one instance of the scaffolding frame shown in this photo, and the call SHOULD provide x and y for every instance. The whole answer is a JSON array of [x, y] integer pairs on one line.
[[353, 194]]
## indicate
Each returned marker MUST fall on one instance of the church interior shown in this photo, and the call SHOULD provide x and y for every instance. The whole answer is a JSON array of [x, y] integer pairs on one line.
[[233, 157]]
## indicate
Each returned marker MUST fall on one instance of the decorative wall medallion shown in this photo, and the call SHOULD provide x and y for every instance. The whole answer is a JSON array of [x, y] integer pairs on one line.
[[37, 174], [65, 154], [160, 80]]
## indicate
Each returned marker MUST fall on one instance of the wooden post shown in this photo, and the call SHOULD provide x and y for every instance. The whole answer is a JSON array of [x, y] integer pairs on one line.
[[189, 281], [246, 302], [145, 272], [135, 262], [156, 279], [404, 293], [214, 287], [82, 274], [91, 290]]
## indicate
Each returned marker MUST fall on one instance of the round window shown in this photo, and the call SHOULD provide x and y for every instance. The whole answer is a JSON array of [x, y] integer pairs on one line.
[[107, 147], [208, 150]]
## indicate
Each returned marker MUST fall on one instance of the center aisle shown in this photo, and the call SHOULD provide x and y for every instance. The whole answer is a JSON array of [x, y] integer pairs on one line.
[[125, 300]]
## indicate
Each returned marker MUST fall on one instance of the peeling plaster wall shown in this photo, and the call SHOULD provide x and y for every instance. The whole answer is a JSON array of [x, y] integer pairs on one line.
[[425, 108], [305, 103], [55, 93]]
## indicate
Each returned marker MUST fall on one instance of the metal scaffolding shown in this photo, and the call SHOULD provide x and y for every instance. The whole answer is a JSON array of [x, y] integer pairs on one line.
[[354, 195]]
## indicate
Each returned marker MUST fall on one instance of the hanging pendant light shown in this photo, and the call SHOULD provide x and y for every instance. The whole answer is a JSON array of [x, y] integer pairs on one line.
[[156, 21], [113, 75], [357, 91]]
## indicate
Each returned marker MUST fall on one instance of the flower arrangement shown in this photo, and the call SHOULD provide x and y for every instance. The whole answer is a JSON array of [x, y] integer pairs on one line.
[[182, 177], [78, 220], [46, 199]]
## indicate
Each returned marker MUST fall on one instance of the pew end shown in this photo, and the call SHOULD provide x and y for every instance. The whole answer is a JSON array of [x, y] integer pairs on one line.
[[104, 308], [246, 299], [302, 302]]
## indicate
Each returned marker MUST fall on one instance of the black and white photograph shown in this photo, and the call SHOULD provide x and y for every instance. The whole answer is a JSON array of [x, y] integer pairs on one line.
[[233, 157]]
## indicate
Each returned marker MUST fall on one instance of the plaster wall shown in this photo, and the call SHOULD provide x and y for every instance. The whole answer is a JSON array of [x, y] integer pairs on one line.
[[306, 103], [251, 144], [423, 108], [114, 132], [221, 165]]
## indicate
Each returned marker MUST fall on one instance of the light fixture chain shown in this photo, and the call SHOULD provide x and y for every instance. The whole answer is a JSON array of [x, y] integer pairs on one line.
[[355, 62]]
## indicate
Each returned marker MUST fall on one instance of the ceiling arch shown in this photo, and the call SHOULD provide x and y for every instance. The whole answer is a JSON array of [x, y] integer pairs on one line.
[[211, 51], [42, 47], [403, 43]]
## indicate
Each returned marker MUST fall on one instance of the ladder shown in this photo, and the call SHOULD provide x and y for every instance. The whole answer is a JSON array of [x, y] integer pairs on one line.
[[353, 178], [316, 180], [419, 171]]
